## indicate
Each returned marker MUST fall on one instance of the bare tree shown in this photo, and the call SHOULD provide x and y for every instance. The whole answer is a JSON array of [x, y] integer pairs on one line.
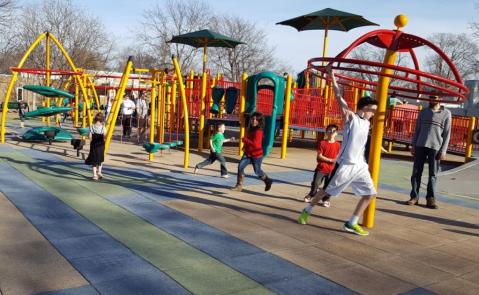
[[7, 10], [84, 37], [161, 23], [253, 57], [460, 49]]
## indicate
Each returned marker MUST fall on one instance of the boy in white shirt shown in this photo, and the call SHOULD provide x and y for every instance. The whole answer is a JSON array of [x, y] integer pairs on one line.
[[350, 168], [127, 108]]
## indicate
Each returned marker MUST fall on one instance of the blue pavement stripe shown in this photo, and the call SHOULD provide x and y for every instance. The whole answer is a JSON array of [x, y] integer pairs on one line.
[[152, 283], [41, 156], [157, 214], [6, 149], [419, 291], [42, 208], [91, 245], [309, 284], [68, 229], [266, 268], [109, 266], [84, 290]]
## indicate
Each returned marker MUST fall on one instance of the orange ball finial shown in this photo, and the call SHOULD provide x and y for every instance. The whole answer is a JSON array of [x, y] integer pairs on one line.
[[400, 21]]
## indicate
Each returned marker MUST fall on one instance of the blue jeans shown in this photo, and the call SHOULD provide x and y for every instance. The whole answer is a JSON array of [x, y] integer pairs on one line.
[[421, 153], [211, 159], [245, 161]]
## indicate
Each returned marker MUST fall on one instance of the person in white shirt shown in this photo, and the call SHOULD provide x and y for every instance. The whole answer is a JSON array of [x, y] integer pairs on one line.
[[127, 108], [350, 168], [142, 115], [109, 105]]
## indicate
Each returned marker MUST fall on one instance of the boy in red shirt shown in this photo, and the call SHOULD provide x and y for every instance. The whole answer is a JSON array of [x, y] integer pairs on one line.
[[327, 153]]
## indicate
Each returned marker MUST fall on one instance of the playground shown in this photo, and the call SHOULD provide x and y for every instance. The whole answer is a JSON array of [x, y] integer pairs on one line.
[[151, 226]]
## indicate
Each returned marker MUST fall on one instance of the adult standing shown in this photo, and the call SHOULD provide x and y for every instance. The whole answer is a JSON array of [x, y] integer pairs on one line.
[[127, 108], [142, 115], [109, 105], [430, 140]]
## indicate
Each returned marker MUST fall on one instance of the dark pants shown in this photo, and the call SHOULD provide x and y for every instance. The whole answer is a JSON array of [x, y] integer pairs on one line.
[[245, 161], [126, 122], [211, 159], [319, 177], [421, 153]]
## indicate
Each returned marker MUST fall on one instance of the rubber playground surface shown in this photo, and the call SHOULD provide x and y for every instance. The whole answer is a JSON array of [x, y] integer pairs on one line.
[[155, 228]]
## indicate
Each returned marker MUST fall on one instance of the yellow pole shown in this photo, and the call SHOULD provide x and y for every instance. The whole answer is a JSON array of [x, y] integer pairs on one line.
[[244, 85], [120, 95], [284, 143], [43, 105], [202, 112], [153, 106], [185, 110], [116, 105], [47, 64], [378, 126], [12, 82], [472, 122], [173, 104]]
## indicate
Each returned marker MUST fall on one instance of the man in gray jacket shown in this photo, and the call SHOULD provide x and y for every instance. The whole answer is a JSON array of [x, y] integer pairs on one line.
[[430, 140]]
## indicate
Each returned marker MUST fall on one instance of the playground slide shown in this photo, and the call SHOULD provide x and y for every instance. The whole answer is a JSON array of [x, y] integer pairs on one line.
[[268, 134]]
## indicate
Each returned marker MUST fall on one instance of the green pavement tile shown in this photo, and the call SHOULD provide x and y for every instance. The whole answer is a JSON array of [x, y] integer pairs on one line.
[[211, 278], [172, 256], [103, 188], [141, 236]]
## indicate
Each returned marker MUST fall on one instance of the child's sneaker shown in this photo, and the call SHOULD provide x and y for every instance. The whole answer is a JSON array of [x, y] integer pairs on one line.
[[196, 170], [325, 204], [224, 176], [303, 218], [307, 199], [356, 229]]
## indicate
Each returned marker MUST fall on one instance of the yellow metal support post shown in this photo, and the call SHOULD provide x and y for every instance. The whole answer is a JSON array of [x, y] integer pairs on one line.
[[378, 125], [287, 105], [472, 122], [244, 85], [202, 112], [185, 110], [120, 95]]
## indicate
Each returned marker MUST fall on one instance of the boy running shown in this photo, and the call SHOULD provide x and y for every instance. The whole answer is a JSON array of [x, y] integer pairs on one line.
[[327, 153], [216, 142], [350, 168]]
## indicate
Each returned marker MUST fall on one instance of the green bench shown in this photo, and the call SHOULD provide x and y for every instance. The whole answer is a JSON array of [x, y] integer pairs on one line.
[[13, 105]]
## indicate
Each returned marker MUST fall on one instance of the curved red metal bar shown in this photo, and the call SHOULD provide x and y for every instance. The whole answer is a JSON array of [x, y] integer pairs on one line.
[[462, 90]]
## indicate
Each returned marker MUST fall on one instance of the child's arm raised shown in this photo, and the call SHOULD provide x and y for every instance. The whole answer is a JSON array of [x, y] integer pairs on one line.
[[347, 112]]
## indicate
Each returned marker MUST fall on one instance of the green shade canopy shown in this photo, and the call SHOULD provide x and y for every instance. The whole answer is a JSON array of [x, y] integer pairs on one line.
[[48, 91], [205, 38], [327, 19]]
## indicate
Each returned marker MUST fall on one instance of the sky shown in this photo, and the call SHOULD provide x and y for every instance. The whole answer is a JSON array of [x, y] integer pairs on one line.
[[425, 17]]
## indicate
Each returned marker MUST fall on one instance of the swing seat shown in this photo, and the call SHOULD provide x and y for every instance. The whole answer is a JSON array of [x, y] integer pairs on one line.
[[83, 131], [170, 144], [152, 147], [178, 142]]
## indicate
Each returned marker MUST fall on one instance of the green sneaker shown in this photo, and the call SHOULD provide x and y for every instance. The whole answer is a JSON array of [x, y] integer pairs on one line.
[[355, 229], [303, 218]]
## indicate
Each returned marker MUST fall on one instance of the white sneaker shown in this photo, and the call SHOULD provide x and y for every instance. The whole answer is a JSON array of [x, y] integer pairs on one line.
[[307, 199], [325, 204]]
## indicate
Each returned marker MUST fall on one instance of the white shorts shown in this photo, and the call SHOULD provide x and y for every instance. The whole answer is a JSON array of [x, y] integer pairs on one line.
[[356, 175]]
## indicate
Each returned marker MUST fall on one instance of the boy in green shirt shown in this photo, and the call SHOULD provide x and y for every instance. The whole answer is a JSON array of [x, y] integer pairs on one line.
[[216, 142]]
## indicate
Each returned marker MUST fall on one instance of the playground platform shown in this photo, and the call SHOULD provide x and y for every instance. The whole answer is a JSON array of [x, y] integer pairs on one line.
[[155, 228]]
